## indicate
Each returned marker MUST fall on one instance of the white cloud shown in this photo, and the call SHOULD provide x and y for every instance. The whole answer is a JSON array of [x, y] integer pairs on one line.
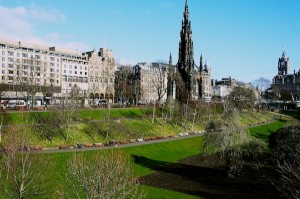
[[44, 14], [14, 21], [20, 23]]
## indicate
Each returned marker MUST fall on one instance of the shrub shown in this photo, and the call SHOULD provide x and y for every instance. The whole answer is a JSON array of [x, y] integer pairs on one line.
[[285, 147]]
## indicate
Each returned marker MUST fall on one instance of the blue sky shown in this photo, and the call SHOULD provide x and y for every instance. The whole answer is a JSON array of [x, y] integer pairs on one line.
[[240, 38]]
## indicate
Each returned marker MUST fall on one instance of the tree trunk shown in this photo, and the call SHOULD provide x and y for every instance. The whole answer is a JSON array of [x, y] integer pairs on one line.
[[194, 119], [153, 115]]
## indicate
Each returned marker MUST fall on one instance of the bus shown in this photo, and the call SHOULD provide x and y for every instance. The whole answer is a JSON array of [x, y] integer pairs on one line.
[[13, 104]]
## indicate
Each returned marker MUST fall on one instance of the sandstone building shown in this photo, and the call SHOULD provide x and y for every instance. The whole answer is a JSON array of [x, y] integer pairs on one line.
[[101, 75], [187, 81], [286, 86], [141, 84], [51, 75], [222, 88]]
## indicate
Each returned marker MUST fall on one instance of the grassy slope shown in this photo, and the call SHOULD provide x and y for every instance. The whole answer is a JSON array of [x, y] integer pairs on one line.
[[262, 132], [167, 151], [157, 193], [87, 114], [294, 114], [139, 125]]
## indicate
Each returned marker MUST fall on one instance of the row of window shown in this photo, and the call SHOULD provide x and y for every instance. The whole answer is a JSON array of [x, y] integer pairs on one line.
[[75, 67], [75, 61], [102, 80], [26, 61], [25, 67], [26, 79], [74, 79], [75, 72], [25, 55], [26, 73], [11, 50]]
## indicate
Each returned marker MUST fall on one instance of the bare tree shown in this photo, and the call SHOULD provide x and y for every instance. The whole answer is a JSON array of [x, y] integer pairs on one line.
[[122, 86], [109, 77], [21, 173], [50, 125], [159, 81], [3, 88], [29, 77], [69, 112], [262, 84], [1, 126], [109, 175]]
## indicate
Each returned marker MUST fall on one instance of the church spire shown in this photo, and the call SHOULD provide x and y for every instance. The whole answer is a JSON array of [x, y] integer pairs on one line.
[[186, 10], [185, 63], [170, 59], [201, 64]]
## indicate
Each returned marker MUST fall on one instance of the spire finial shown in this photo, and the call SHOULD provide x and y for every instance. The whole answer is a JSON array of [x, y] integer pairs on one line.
[[201, 64], [170, 59], [186, 10]]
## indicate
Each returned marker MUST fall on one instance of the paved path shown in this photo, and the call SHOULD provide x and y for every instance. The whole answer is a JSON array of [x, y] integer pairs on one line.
[[116, 146]]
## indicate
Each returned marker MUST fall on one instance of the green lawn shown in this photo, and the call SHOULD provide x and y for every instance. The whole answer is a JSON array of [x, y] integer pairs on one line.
[[171, 151], [13, 117], [134, 123], [157, 193], [165, 152], [262, 132]]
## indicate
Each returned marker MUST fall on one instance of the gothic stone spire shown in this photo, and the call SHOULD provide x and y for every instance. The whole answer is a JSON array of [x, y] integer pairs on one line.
[[201, 64], [186, 52]]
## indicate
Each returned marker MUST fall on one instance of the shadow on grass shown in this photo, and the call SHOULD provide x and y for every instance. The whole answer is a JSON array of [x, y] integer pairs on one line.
[[263, 132], [198, 178]]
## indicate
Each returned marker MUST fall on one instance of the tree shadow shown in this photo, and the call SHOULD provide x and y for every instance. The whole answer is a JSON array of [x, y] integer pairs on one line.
[[205, 181]]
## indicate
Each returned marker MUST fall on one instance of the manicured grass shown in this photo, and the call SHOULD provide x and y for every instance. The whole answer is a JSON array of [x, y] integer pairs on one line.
[[166, 152], [263, 132], [134, 123], [157, 193], [123, 130], [250, 118], [13, 117], [171, 151], [99, 114]]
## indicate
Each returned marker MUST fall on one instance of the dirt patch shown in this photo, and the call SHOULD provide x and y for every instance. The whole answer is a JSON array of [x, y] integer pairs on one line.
[[206, 176]]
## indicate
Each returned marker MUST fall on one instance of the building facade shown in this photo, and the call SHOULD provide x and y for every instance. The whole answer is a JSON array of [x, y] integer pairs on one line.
[[286, 86], [187, 81], [141, 84], [101, 76], [50, 75], [185, 64], [29, 71], [222, 88], [204, 80], [74, 73]]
